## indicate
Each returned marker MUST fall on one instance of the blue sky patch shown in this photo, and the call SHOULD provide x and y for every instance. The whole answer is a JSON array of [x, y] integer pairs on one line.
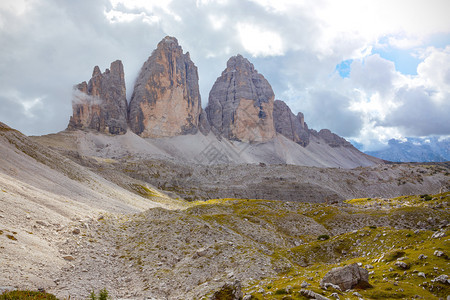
[[403, 59], [344, 68]]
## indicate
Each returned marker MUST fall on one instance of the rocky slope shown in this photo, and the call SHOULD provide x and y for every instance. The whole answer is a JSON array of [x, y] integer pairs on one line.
[[240, 105], [208, 175], [71, 228], [291, 126], [166, 100], [101, 104], [272, 249], [41, 193]]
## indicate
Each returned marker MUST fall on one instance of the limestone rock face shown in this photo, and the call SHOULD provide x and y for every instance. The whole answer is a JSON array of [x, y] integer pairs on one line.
[[347, 277], [101, 104], [332, 139], [291, 126], [166, 99], [240, 105]]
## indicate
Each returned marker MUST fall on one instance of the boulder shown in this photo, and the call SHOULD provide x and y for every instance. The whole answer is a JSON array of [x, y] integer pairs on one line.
[[240, 105], [312, 295], [229, 291], [101, 103], [166, 99], [347, 277]]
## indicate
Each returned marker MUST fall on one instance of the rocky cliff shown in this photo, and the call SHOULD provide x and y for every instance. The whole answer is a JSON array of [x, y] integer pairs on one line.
[[240, 105], [166, 99], [332, 139], [289, 125], [101, 104]]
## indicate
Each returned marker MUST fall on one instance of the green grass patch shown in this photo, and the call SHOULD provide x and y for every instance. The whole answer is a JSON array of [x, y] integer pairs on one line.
[[27, 295]]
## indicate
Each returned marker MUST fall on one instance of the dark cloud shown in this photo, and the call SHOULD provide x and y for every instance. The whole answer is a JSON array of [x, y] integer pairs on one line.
[[333, 113], [419, 114]]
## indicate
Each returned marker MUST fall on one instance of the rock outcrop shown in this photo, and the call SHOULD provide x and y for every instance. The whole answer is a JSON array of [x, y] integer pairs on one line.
[[291, 126], [229, 291], [240, 105], [101, 104], [166, 99], [347, 277], [332, 139]]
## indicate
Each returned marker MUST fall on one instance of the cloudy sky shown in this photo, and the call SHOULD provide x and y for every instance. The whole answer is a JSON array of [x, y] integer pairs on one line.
[[367, 70]]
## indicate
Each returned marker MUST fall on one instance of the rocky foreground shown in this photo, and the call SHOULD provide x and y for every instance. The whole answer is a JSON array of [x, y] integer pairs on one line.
[[260, 250]]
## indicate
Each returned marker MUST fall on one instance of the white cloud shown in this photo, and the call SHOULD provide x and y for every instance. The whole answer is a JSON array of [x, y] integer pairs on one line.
[[217, 21], [296, 45], [258, 41]]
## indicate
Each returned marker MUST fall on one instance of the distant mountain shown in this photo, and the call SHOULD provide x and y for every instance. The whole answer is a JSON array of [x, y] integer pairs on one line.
[[432, 149]]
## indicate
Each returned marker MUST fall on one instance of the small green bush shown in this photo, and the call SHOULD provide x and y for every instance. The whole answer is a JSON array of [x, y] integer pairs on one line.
[[426, 197], [103, 295], [323, 237], [281, 292], [393, 255], [26, 295]]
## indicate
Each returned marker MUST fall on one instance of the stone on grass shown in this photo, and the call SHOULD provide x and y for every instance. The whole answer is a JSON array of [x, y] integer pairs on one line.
[[312, 295], [401, 265], [442, 279], [229, 291], [348, 277]]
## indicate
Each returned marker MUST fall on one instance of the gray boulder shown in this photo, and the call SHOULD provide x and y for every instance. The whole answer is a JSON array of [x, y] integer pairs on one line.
[[347, 277], [229, 291]]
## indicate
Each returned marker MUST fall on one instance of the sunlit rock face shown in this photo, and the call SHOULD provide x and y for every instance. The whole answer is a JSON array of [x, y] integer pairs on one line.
[[166, 99], [240, 105], [101, 104]]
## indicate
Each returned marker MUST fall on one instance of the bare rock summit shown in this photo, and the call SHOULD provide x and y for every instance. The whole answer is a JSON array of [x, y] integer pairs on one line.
[[240, 105], [291, 126], [101, 104], [166, 99]]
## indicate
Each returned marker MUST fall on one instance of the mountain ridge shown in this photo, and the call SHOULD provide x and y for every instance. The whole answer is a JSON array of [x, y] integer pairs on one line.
[[166, 103], [431, 149]]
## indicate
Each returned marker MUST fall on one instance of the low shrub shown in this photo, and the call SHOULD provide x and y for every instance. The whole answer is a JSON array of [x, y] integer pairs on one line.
[[26, 295], [323, 237]]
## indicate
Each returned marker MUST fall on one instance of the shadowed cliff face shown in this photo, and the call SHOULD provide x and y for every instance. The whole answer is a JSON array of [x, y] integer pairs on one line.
[[101, 104], [240, 103], [289, 125], [166, 100]]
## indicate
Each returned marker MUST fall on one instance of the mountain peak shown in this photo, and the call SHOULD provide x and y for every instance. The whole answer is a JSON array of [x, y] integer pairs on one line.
[[240, 105], [166, 99], [101, 104]]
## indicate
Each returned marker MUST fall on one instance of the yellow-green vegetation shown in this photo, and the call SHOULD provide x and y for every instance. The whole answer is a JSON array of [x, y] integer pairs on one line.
[[145, 191], [376, 248], [360, 232], [26, 295], [277, 247], [156, 196], [424, 200]]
